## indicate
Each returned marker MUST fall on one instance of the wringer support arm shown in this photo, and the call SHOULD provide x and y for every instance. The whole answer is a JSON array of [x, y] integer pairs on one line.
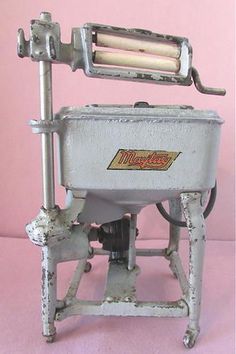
[[104, 52], [45, 75]]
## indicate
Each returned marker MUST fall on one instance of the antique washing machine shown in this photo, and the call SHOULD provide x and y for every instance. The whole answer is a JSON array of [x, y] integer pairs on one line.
[[113, 161]]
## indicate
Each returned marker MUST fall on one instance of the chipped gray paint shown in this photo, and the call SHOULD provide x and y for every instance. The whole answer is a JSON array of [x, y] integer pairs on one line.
[[45, 45], [120, 294], [193, 212], [54, 225], [177, 308], [57, 231]]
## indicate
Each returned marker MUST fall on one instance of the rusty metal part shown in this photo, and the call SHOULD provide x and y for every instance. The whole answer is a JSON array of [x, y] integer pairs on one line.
[[54, 225], [120, 297], [193, 212], [177, 308], [45, 46], [96, 193]]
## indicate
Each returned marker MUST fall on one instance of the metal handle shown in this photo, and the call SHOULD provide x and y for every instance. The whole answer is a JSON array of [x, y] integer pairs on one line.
[[203, 89]]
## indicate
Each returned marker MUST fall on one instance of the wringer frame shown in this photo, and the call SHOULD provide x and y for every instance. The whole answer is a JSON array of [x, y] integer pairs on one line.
[[113, 161]]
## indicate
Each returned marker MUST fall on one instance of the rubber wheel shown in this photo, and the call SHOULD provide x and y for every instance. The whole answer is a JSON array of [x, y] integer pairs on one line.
[[189, 339], [50, 339]]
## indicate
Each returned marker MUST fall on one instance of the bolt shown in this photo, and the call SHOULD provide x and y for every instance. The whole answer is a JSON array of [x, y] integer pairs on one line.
[[35, 38], [46, 16], [128, 299], [109, 298]]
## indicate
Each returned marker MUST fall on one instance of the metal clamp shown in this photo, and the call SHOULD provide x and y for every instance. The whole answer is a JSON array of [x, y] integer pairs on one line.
[[44, 126], [45, 43]]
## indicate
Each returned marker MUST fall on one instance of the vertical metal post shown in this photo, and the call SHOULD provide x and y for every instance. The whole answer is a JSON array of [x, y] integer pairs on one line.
[[45, 75], [49, 269], [132, 237], [47, 138]]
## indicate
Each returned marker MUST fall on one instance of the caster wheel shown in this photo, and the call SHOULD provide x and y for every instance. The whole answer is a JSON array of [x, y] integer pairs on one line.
[[87, 267], [50, 339], [190, 338]]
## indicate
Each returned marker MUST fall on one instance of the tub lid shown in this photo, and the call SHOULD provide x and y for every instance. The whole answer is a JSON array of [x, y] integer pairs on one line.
[[138, 111]]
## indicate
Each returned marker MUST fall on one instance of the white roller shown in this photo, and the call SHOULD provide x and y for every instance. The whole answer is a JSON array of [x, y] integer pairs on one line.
[[136, 61], [137, 45]]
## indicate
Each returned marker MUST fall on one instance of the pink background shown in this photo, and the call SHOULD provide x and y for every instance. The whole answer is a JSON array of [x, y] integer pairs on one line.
[[208, 24]]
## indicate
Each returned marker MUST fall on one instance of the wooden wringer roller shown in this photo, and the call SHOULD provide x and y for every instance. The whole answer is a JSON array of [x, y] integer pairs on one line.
[[115, 160]]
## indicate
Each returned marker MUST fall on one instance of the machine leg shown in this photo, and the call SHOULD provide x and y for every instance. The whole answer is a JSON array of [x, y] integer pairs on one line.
[[75, 281], [49, 294], [193, 213], [175, 213]]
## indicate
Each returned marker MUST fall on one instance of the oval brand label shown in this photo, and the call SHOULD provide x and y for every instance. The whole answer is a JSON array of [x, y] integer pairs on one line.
[[150, 160]]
